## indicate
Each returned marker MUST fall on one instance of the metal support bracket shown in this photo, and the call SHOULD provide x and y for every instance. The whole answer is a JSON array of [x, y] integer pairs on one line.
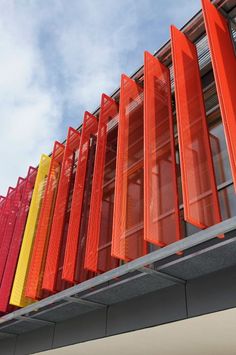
[[155, 273], [82, 301], [8, 334], [35, 320]]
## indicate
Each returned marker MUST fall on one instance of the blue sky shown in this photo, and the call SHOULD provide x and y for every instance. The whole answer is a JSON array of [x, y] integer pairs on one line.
[[58, 56]]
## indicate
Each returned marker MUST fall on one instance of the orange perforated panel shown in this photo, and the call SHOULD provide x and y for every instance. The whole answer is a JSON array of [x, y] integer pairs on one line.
[[201, 206], [224, 68], [98, 248], [128, 237], [73, 270], [40, 248], [161, 207], [56, 248]]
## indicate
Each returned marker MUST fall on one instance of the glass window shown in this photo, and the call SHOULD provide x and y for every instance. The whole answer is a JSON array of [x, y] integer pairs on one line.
[[220, 153]]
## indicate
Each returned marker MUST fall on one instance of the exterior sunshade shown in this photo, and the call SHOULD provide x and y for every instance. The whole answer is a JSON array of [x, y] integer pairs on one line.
[[201, 205], [128, 236], [161, 206], [224, 67], [11, 262], [56, 248], [40, 248], [17, 295], [12, 209], [98, 248], [73, 266], [2, 204], [2, 200], [4, 212]]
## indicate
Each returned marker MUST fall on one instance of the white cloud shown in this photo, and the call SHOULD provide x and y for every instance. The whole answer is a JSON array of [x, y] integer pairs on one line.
[[29, 115], [58, 56]]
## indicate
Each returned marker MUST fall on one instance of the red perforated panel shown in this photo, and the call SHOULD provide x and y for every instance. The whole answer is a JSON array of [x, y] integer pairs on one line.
[[2, 199], [128, 239], [73, 270], [4, 212], [11, 262], [224, 68], [2, 204], [161, 207], [201, 206], [39, 253], [11, 210], [98, 248]]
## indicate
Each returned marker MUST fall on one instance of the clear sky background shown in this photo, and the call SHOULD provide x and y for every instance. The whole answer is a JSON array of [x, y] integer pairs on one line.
[[58, 56]]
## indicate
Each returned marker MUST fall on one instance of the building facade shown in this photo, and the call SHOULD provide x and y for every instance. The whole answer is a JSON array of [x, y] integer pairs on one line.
[[137, 208]]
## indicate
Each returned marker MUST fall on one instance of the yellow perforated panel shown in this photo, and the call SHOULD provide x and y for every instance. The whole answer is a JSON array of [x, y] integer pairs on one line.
[[17, 295]]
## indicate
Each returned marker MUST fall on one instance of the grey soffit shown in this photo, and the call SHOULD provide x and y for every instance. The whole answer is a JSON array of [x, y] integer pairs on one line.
[[135, 286], [131, 280], [208, 260]]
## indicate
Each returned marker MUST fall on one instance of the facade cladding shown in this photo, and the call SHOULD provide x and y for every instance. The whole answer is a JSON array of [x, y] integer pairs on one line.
[[156, 163]]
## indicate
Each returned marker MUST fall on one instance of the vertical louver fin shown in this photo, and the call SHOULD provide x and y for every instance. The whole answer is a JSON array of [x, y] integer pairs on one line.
[[73, 267], [98, 248], [4, 215], [63, 208], [201, 206], [12, 215], [17, 296], [40, 248], [128, 239], [224, 68], [161, 207], [11, 262]]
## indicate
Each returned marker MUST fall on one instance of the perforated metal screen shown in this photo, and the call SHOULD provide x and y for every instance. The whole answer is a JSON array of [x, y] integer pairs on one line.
[[128, 239], [14, 249], [98, 247], [73, 267], [161, 205], [201, 205], [17, 295], [224, 68]]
